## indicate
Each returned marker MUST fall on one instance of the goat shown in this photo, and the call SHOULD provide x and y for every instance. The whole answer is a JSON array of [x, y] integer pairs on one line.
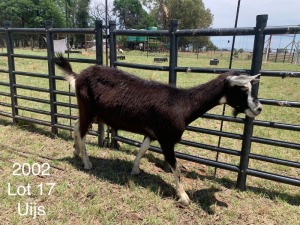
[[158, 111]]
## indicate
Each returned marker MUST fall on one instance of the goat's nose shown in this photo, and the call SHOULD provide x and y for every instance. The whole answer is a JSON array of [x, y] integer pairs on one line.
[[259, 109]]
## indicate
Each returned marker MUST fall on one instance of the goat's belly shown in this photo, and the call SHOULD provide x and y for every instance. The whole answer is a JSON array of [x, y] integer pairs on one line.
[[143, 131], [135, 127]]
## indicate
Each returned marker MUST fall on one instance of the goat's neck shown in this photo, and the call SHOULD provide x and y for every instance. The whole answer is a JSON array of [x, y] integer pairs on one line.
[[204, 97]]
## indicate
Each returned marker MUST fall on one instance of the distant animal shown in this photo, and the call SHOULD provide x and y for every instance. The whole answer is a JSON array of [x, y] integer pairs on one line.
[[160, 59], [158, 111], [120, 50]]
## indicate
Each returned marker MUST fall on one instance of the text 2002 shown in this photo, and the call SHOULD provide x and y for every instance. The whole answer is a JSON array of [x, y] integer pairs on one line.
[[26, 169]]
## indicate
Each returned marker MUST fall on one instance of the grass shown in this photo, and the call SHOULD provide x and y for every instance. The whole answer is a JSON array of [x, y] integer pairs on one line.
[[108, 194]]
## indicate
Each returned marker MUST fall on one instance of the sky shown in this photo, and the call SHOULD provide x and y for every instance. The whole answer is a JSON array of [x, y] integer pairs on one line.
[[280, 13]]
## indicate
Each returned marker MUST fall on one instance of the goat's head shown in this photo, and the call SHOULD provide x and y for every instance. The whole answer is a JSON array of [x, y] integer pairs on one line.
[[240, 96]]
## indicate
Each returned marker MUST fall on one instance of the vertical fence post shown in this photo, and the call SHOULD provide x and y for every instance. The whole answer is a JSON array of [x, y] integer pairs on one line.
[[99, 61], [173, 52], [112, 43], [11, 69], [261, 23], [292, 60], [112, 59], [99, 41], [51, 72], [285, 51]]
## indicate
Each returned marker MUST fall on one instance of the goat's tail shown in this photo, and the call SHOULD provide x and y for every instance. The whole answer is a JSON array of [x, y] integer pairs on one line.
[[65, 66]]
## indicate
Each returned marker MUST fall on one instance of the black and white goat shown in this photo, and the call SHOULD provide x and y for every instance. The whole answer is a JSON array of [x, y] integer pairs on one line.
[[158, 111]]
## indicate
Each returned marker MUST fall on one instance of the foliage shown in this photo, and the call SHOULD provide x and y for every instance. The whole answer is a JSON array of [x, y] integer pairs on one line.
[[31, 13], [190, 13], [82, 14], [78, 13], [210, 46], [78, 17], [131, 14], [236, 52]]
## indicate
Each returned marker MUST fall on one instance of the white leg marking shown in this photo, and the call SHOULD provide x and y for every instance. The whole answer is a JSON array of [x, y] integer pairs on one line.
[[79, 145], [136, 164], [85, 158], [183, 197]]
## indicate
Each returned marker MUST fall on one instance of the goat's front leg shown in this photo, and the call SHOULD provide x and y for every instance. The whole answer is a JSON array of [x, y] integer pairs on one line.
[[183, 197], [144, 147], [80, 150], [168, 150]]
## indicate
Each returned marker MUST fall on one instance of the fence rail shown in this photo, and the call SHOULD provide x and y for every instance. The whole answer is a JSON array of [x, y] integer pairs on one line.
[[53, 103]]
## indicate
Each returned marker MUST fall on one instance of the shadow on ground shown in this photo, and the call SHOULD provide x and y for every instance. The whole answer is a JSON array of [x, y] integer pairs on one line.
[[118, 172]]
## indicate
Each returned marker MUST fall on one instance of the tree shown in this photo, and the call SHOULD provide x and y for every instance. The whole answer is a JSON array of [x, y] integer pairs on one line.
[[190, 13], [210, 46], [159, 11], [131, 14], [78, 17], [97, 11], [82, 14], [31, 13]]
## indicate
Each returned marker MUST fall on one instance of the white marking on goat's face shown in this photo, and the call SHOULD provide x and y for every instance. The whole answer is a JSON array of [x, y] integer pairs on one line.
[[241, 98], [253, 103]]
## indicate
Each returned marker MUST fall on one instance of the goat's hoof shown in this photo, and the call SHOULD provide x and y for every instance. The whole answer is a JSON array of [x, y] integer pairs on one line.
[[184, 200], [135, 172], [88, 166]]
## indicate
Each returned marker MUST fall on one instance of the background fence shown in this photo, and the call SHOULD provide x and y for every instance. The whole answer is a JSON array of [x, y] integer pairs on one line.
[[59, 103]]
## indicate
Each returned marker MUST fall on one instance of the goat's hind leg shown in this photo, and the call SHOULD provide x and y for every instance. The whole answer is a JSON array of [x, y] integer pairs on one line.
[[79, 145], [76, 135], [144, 147], [84, 156]]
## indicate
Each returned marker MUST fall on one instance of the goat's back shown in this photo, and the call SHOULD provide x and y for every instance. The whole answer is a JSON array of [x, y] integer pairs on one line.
[[97, 80], [123, 101]]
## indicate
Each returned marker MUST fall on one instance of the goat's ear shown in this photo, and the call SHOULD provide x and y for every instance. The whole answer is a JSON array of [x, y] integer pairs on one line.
[[255, 81], [241, 80]]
